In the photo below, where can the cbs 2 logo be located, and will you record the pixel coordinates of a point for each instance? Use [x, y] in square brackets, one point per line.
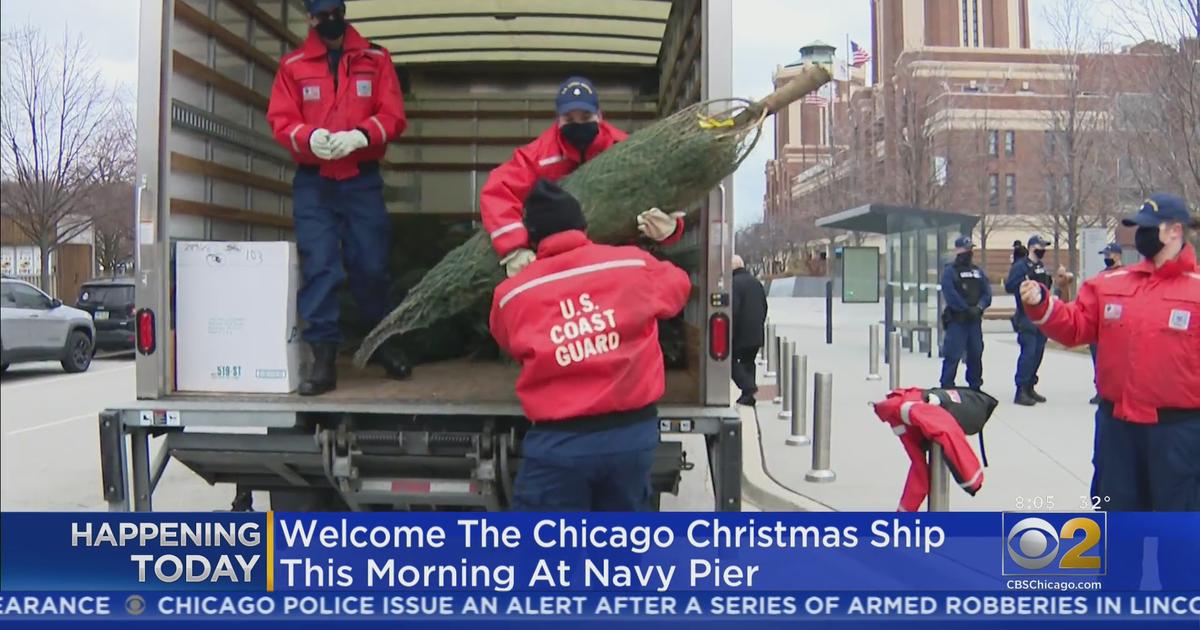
[1033, 544]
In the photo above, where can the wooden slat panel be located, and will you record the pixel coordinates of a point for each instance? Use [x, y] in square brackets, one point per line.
[439, 167]
[455, 141]
[516, 114]
[269, 21]
[225, 213]
[188, 164]
[191, 68]
[228, 38]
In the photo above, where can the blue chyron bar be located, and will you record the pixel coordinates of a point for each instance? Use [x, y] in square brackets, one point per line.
[448, 569]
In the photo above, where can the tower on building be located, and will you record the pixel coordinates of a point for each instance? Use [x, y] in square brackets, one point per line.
[900, 25]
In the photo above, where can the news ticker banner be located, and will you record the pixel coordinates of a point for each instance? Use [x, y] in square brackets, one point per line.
[956, 566]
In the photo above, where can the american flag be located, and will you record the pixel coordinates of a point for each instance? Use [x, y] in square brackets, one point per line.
[815, 98]
[859, 55]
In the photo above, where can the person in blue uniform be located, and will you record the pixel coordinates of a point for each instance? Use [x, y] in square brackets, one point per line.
[968, 294]
[1032, 341]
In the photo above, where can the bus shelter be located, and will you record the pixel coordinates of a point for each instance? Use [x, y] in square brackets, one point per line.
[918, 244]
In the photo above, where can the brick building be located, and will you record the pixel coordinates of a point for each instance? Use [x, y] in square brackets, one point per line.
[964, 116]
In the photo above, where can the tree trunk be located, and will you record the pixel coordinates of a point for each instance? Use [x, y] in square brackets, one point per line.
[1072, 249]
[44, 282]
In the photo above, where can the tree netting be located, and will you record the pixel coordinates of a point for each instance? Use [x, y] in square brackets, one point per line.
[671, 164]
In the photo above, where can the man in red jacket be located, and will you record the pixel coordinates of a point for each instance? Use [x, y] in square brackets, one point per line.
[1145, 322]
[579, 135]
[582, 320]
[335, 105]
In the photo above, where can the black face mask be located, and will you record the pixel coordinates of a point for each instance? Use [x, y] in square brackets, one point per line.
[331, 26]
[580, 135]
[1109, 263]
[1039, 253]
[1147, 241]
[964, 258]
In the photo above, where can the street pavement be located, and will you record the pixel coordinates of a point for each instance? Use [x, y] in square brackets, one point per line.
[1039, 457]
[50, 457]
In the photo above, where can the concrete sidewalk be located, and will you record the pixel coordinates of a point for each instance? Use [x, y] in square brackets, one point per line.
[1040, 453]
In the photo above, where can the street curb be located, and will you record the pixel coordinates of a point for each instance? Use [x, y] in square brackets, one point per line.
[757, 486]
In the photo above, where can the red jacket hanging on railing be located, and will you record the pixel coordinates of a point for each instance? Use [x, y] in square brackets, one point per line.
[918, 423]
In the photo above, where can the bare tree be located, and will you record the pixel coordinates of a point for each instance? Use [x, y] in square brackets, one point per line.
[1074, 158]
[1160, 121]
[916, 182]
[109, 202]
[54, 107]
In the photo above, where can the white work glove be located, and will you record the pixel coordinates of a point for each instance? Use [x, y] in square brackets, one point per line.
[516, 260]
[1031, 292]
[344, 143]
[657, 225]
[321, 144]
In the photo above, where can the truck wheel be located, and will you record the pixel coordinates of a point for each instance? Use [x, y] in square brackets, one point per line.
[77, 356]
[325, 500]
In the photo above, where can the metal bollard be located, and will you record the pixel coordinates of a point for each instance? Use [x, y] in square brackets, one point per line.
[822, 423]
[829, 311]
[939, 480]
[785, 380]
[873, 352]
[772, 351]
[799, 433]
[762, 355]
[894, 365]
[780, 373]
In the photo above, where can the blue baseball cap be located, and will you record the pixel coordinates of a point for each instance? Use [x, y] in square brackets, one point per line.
[1161, 209]
[1036, 240]
[963, 242]
[1112, 248]
[577, 93]
[320, 6]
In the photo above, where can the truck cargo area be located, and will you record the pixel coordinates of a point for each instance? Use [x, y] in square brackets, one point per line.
[479, 80]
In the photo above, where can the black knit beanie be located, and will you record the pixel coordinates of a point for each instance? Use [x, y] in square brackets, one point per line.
[549, 210]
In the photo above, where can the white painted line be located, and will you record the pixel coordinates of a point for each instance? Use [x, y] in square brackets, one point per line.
[95, 414]
[62, 377]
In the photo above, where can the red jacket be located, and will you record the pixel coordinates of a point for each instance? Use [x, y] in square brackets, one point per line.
[502, 200]
[582, 320]
[917, 423]
[368, 98]
[1145, 323]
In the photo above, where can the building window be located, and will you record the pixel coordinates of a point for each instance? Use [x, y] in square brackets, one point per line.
[993, 189]
[975, 23]
[1010, 143]
[1051, 192]
[966, 33]
[993, 142]
[1010, 193]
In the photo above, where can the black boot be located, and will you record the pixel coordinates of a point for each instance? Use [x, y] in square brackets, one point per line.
[746, 399]
[1036, 396]
[1023, 397]
[393, 359]
[323, 375]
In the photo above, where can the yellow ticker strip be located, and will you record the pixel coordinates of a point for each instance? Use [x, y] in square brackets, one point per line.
[270, 551]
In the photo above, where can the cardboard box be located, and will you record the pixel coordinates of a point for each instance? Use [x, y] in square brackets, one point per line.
[235, 317]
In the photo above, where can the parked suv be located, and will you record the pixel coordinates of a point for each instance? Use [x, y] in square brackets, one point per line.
[36, 327]
[110, 303]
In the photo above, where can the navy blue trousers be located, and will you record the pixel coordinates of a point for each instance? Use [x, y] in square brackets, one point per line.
[592, 471]
[1147, 467]
[963, 340]
[1033, 348]
[342, 229]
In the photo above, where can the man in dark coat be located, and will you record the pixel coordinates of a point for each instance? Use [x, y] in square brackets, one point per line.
[749, 315]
